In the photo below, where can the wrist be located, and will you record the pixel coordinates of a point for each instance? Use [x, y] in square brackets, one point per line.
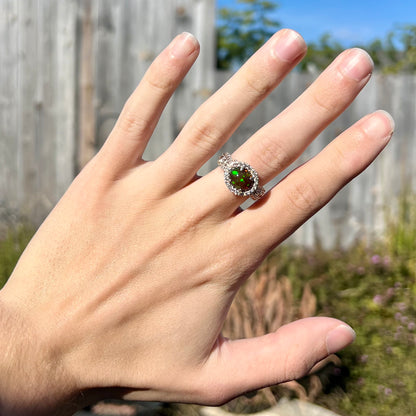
[32, 380]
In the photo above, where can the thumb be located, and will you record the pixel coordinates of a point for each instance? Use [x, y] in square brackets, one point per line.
[289, 353]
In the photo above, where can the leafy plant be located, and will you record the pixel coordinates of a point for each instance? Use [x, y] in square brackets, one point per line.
[11, 247]
[243, 29]
[395, 53]
[320, 54]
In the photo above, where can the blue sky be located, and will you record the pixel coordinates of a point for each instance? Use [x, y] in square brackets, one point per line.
[350, 22]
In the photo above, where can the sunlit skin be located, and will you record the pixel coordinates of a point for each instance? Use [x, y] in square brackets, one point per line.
[124, 289]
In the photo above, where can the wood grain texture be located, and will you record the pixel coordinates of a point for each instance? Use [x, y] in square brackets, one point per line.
[67, 67]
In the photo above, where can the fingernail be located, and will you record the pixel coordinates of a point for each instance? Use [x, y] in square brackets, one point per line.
[183, 45]
[288, 45]
[339, 338]
[379, 124]
[357, 64]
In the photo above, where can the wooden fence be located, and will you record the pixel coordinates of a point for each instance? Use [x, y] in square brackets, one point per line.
[66, 68]
[359, 210]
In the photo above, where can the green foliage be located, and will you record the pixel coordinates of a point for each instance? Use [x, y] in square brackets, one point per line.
[11, 247]
[401, 231]
[246, 26]
[399, 51]
[373, 288]
[243, 29]
[375, 293]
[393, 54]
[319, 55]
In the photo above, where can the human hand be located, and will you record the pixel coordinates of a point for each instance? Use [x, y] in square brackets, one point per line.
[125, 287]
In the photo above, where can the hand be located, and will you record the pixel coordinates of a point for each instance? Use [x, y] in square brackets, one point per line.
[128, 281]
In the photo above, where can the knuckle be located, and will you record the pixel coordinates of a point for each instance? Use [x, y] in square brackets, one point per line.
[349, 156]
[205, 135]
[340, 159]
[257, 85]
[131, 123]
[303, 196]
[163, 75]
[338, 155]
[294, 367]
[161, 84]
[360, 134]
[332, 94]
[271, 155]
[293, 364]
[323, 102]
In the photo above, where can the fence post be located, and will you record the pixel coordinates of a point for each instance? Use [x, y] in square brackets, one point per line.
[86, 135]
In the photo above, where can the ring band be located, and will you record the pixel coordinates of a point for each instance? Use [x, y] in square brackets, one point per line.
[240, 178]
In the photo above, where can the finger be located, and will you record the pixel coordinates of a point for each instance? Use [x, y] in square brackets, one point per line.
[138, 119]
[311, 186]
[241, 366]
[214, 122]
[284, 139]
[274, 147]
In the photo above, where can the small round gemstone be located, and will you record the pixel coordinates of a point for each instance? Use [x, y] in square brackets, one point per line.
[241, 179]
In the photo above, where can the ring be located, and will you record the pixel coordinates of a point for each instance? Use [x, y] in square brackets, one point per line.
[241, 179]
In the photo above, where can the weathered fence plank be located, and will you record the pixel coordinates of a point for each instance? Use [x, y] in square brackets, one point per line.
[67, 67]
[8, 102]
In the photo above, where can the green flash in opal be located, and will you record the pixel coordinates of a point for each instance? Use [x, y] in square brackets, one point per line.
[241, 179]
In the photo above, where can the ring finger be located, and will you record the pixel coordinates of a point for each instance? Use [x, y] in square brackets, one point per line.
[308, 188]
[274, 147]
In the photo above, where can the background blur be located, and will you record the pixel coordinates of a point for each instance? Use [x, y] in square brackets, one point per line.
[67, 67]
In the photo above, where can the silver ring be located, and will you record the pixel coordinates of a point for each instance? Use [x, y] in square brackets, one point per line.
[240, 178]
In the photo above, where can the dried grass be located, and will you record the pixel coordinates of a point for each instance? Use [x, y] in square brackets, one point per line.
[264, 304]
